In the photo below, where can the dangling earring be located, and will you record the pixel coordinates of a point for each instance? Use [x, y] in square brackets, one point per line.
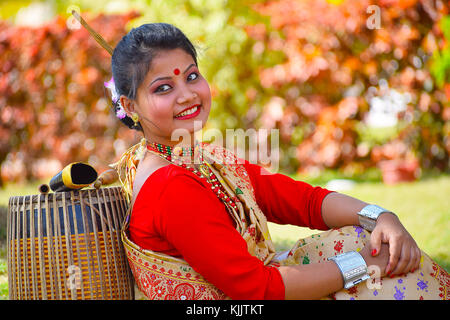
[135, 118]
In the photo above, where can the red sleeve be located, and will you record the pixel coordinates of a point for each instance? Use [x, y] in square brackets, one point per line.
[285, 200]
[193, 220]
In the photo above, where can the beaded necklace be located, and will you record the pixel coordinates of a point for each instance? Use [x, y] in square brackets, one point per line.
[178, 155]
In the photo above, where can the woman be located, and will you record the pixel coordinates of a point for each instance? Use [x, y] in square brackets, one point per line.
[208, 209]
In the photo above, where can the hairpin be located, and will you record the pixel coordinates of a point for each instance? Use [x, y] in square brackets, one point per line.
[120, 111]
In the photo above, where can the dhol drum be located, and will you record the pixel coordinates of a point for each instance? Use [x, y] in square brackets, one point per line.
[67, 245]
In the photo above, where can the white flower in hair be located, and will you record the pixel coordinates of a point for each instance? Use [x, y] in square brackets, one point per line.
[112, 88]
[120, 111]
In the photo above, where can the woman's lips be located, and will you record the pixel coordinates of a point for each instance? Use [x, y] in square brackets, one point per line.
[192, 115]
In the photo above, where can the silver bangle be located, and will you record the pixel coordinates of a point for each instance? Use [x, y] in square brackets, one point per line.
[353, 268]
[368, 216]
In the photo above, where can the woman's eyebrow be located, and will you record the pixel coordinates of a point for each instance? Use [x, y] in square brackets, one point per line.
[191, 65]
[161, 78]
[168, 78]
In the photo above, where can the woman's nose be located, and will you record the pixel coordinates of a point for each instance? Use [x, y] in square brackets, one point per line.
[186, 95]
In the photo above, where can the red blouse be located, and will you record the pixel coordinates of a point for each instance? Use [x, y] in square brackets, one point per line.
[177, 213]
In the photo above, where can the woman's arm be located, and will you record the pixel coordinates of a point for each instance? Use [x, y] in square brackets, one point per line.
[317, 280]
[197, 226]
[340, 210]
[311, 281]
[285, 200]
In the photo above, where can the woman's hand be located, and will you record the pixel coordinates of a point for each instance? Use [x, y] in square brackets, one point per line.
[404, 254]
[380, 260]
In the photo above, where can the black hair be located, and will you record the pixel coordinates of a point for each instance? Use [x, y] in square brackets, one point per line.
[133, 55]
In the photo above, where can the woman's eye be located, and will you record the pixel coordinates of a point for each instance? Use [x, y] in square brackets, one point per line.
[163, 88]
[192, 76]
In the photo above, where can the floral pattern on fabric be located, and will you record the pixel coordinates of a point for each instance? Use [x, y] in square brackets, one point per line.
[160, 276]
[430, 281]
[169, 280]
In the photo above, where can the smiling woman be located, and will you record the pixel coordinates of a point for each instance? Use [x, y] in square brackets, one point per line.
[196, 226]
[166, 102]
[133, 57]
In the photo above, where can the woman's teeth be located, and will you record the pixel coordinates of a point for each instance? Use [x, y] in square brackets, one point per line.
[187, 112]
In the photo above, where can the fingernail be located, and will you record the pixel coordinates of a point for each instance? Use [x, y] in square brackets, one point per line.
[374, 252]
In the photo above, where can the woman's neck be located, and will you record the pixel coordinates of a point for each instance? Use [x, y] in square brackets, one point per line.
[187, 151]
[184, 142]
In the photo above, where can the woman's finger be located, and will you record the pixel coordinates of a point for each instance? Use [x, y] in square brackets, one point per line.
[394, 255]
[412, 260]
[403, 261]
[375, 242]
[418, 257]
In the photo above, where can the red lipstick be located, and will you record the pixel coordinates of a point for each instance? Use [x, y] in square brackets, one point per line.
[188, 116]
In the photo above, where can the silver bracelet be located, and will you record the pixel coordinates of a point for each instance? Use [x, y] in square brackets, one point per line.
[368, 216]
[353, 268]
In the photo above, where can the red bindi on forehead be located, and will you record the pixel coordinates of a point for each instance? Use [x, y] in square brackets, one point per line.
[176, 71]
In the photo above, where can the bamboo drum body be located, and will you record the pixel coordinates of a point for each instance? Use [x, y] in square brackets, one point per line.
[67, 245]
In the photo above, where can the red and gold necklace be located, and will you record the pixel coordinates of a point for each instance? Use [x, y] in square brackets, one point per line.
[182, 156]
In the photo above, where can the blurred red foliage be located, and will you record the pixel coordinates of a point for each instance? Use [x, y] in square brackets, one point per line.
[53, 107]
[334, 64]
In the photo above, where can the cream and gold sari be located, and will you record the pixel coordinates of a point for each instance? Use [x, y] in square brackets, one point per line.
[160, 276]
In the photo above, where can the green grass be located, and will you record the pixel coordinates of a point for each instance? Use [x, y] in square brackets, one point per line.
[19, 189]
[422, 206]
[3, 274]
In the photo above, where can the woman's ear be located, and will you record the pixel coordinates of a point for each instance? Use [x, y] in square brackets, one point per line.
[127, 104]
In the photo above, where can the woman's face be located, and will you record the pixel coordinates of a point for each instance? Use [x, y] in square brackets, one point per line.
[172, 96]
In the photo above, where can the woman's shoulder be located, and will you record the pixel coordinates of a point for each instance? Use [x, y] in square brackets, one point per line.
[153, 178]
